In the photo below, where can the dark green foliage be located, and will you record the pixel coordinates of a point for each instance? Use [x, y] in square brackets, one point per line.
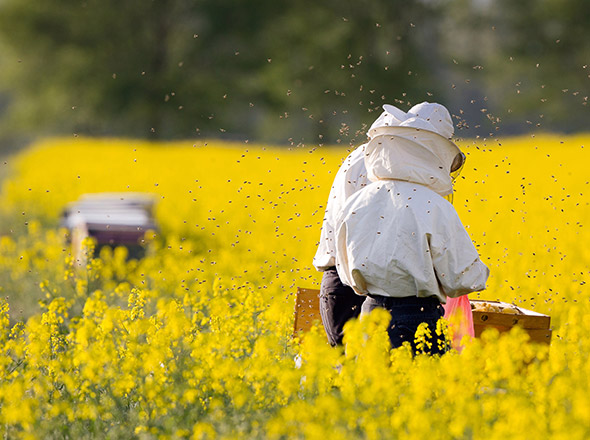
[170, 68]
[287, 72]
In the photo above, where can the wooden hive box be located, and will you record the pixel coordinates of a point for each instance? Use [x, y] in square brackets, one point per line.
[307, 310]
[307, 313]
[535, 324]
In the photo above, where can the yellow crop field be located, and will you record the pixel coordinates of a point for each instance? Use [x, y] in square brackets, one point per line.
[195, 339]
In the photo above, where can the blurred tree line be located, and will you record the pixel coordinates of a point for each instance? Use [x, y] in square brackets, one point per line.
[288, 72]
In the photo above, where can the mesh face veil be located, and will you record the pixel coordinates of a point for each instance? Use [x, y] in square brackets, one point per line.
[456, 168]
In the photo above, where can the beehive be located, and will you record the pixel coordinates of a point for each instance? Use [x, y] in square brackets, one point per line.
[535, 324]
[307, 310]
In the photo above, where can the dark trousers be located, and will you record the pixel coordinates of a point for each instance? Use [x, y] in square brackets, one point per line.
[338, 304]
[406, 315]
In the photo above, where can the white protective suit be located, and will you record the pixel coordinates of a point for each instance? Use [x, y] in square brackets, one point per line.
[351, 177]
[398, 236]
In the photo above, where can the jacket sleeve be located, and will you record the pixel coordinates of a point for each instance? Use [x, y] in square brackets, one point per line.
[324, 256]
[456, 262]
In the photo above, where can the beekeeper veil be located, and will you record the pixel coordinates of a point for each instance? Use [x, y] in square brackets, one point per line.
[418, 149]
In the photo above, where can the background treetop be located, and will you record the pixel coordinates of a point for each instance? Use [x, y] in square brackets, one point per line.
[288, 72]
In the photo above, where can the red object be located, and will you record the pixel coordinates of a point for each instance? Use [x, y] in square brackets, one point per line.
[458, 313]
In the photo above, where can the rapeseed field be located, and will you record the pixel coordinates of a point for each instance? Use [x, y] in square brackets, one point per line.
[195, 340]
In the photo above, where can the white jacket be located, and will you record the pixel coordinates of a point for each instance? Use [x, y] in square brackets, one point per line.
[398, 236]
[351, 177]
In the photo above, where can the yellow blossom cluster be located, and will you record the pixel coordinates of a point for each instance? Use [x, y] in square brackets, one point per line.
[195, 339]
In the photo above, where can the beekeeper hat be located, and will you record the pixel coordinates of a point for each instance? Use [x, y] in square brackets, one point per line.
[437, 115]
[391, 116]
[428, 124]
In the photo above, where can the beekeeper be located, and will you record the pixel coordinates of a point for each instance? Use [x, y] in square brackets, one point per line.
[399, 242]
[338, 302]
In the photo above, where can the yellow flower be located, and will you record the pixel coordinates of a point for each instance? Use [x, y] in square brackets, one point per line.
[195, 339]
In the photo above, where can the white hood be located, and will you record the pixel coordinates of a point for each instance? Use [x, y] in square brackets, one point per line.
[412, 155]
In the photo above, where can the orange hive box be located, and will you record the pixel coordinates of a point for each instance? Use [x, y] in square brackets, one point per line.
[504, 316]
[307, 310]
